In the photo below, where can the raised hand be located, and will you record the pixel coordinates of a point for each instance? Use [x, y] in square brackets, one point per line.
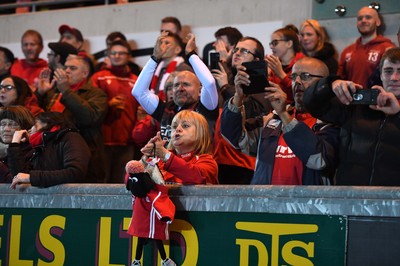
[221, 49]
[343, 90]
[61, 79]
[220, 75]
[155, 146]
[275, 65]
[44, 84]
[158, 51]
[191, 44]
[386, 102]
[241, 78]
[277, 97]
[20, 136]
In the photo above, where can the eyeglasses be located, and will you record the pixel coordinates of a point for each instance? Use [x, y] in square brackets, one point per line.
[275, 42]
[6, 87]
[9, 123]
[303, 76]
[114, 53]
[242, 51]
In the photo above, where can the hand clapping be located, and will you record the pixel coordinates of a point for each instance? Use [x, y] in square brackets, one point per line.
[155, 147]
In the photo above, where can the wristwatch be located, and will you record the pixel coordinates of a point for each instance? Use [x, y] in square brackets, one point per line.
[166, 157]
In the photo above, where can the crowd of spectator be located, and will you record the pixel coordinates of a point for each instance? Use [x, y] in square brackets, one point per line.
[301, 128]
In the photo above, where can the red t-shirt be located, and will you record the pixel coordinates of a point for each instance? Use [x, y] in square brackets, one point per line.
[288, 168]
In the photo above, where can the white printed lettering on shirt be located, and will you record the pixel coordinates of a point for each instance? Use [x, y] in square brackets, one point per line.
[284, 152]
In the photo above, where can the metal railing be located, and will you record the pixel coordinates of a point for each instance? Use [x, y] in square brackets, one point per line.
[35, 4]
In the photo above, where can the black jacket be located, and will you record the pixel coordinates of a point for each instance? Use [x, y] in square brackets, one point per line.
[329, 56]
[6, 175]
[369, 140]
[86, 109]
[63, 157]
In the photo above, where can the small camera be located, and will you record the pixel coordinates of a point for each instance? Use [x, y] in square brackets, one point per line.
[365, 96]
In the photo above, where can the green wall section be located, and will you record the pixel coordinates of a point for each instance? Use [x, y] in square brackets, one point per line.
[98, 237]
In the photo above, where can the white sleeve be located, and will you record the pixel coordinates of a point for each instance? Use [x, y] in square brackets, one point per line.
[147, 99]
[209, 93]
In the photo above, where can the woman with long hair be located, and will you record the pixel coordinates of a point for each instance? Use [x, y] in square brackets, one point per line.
[314, 43]
[286, 51]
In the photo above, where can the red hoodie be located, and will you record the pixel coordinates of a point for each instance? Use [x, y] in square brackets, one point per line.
[357, 61]
[28, 71]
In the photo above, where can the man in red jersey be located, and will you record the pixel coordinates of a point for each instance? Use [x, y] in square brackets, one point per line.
[30, 67]
[359, 60]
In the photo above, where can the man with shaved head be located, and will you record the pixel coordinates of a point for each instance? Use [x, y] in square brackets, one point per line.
[359, 60]
[292, 147]
[193, 91]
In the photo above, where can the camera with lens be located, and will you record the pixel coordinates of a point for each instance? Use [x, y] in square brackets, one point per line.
[365, 96]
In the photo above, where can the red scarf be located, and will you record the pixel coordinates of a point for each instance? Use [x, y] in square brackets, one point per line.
[36, 138]
[155, 80]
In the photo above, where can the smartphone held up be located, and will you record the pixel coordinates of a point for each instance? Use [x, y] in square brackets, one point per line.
[257, 71]
[365, 96]
[214, 61]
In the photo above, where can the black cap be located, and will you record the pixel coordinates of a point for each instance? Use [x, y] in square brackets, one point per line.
[62, 48]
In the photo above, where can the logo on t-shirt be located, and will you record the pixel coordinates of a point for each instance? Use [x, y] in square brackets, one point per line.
[348, 56]
[284, 152]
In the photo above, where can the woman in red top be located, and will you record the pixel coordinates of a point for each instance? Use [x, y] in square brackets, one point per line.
[286, 50]
[188, 159]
